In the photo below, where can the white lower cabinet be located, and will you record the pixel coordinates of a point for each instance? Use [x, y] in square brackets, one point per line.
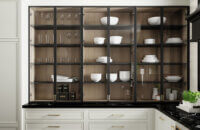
[162, 122]
[89, 119]
[70, 126]
[97, 119]
[119, 125]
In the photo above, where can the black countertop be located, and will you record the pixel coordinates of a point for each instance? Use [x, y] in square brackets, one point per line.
[188, 120]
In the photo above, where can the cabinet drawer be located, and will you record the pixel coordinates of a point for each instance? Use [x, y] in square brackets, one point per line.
[71, 126]
[116, 115]
[118, 126]
[54, 115]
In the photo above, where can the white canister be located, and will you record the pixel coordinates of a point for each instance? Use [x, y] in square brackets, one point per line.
[171, 97]
[168, 91]
[158, 97]
[175, 92]
[155, 93]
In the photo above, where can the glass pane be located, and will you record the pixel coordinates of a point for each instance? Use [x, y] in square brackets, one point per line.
[41, 16]
[68, 16]
[122, 16]
[92, 16]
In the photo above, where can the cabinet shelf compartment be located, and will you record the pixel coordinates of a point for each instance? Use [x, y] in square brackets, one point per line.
[94, 92]
[42, 92]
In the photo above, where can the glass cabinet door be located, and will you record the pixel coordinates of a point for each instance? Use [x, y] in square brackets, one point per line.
[148, 54]
[41, 54]
[175, 56]
[94, 47]
[121, 46]
[68, 54]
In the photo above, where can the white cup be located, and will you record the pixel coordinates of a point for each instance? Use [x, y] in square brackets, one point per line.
[124, 75]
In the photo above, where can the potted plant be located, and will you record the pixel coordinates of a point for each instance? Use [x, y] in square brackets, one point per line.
[191, 99]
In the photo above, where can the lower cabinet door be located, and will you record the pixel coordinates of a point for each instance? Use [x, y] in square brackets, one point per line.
[118, 125]
[72, 126]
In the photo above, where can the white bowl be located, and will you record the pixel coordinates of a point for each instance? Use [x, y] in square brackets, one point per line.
[115, 39]
[96, 77]
[113, 77]
[149, 41]
[124, 76]
[99, 40]
[173, 78]
[113, 20]
[174, 40]
[156, 20]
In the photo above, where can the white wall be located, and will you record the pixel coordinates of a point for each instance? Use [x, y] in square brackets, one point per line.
[193, 55]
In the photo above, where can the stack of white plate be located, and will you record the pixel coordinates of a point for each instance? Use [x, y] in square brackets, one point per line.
[103, 59]
[149, 41]
[60, 78]
[173, 78]
[150, 59]
[174, 40]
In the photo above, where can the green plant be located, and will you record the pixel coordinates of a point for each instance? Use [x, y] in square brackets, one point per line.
[191, 96]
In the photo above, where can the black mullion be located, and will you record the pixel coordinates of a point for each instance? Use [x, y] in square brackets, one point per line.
[55, 52]
[135, 55]
[131, 56]
[108, 54]
[29, 70]
[81, 68]
[161, 54]
[188, 51]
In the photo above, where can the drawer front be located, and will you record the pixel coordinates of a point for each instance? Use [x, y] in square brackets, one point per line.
[116, 115]
[72, 126]
[54, 115]
[118, 126]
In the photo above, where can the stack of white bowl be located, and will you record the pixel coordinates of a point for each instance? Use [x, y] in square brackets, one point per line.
[174, 40]
[149, 41]
[156, 20]
[113, 77]
[103, 59]
[115, 40]
[124, 76]
[96, 77]
[113, 20]
[150, 59]
[99, 40]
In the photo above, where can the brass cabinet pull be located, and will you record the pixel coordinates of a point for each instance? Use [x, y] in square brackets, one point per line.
[177, 128]
[161, 118]
[53, 115]
[173, 128]
[53, 126]
[114, 126]
[117, 115]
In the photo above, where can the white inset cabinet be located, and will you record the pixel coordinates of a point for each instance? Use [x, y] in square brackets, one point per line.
[162, 122]
[89, 119]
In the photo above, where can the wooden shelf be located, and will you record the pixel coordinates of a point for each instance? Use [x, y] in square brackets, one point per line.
[111, 27]
[158, 27]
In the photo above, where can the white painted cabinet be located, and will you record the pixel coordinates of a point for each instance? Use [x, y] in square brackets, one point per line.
[66, 126]
[162, 122]
[89, 119]
[8, 96]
